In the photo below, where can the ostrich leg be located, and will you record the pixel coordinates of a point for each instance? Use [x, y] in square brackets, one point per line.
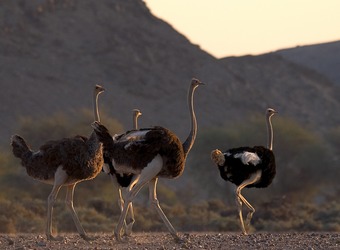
[122, 192]
[50, 202]
[240, 198]
[59, 180]
[154, 201]
[69, 204]
[130, 217]
[131, 195]
[147, 174]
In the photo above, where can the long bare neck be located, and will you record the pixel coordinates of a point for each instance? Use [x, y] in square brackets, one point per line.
[187, 145]
[95, 106]
[135, 121]
[270, 132]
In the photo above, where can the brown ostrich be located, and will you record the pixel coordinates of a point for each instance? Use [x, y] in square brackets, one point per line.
[248, 167]
[63, 162]
[148, 154]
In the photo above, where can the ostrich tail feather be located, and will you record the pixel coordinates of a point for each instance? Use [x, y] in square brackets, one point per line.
[19, 146]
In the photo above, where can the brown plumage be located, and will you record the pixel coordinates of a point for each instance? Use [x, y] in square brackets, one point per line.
[81, 160]
[148, 154]
[63, 162]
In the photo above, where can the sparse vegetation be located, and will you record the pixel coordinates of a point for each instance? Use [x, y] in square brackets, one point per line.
[303, 196]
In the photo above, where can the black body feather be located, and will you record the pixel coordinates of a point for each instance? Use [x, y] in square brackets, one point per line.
[236, 172]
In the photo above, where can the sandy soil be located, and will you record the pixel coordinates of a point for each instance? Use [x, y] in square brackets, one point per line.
[193, 240]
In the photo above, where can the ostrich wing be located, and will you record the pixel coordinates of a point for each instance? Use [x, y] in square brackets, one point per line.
[248, 157]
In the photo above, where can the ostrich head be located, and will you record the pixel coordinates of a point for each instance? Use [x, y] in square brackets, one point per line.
[217, 157]
[195, 83]
[270, 112]
[136, 113]
[99, 89]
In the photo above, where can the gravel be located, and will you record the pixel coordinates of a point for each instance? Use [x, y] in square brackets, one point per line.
[192, 240]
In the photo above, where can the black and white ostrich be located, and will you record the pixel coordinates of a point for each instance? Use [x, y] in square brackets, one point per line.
[122, 181]
[248, 167]
[149, 154]
[63, 162]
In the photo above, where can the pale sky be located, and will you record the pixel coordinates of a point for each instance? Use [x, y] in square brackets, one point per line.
[240, 27]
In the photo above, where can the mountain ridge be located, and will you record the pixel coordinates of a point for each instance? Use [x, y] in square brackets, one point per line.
[323, 58]
[52, 53]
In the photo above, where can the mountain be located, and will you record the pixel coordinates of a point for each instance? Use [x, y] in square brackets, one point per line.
[291, 88]
[52, 53]
[324, 58]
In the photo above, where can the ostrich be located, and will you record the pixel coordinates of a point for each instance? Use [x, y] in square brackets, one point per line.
[97, 90]
[63, 162]
[148, 154]
[248, 167]
[124, 180]
[135, 114]
[120, 180]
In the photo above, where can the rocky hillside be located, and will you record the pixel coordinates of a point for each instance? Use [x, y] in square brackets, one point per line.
[53, 52]
[291, 88]
[324, 58]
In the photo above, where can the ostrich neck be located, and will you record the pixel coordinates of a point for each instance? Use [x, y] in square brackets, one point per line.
[187, 145]
[95, 107]
[270, 133]
[135, 123]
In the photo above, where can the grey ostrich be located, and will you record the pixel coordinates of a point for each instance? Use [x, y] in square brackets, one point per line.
[149, 154]
[248, 167]
[63, 162]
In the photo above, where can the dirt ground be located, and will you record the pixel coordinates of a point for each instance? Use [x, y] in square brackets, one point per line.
[192, 240]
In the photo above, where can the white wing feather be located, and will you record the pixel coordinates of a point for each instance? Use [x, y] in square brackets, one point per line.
[248, 157]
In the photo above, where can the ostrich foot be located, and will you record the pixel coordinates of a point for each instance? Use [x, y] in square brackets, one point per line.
[128, 229]
[119, 237]
[183, 242]
[54, 238]
[243, 228]
[244, 233]
[178, 239]
[249, 217]
[88, 238]
[217, 157]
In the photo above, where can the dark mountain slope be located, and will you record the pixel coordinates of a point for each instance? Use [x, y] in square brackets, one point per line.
[324, 58]
[53, 52]
[294, 90]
